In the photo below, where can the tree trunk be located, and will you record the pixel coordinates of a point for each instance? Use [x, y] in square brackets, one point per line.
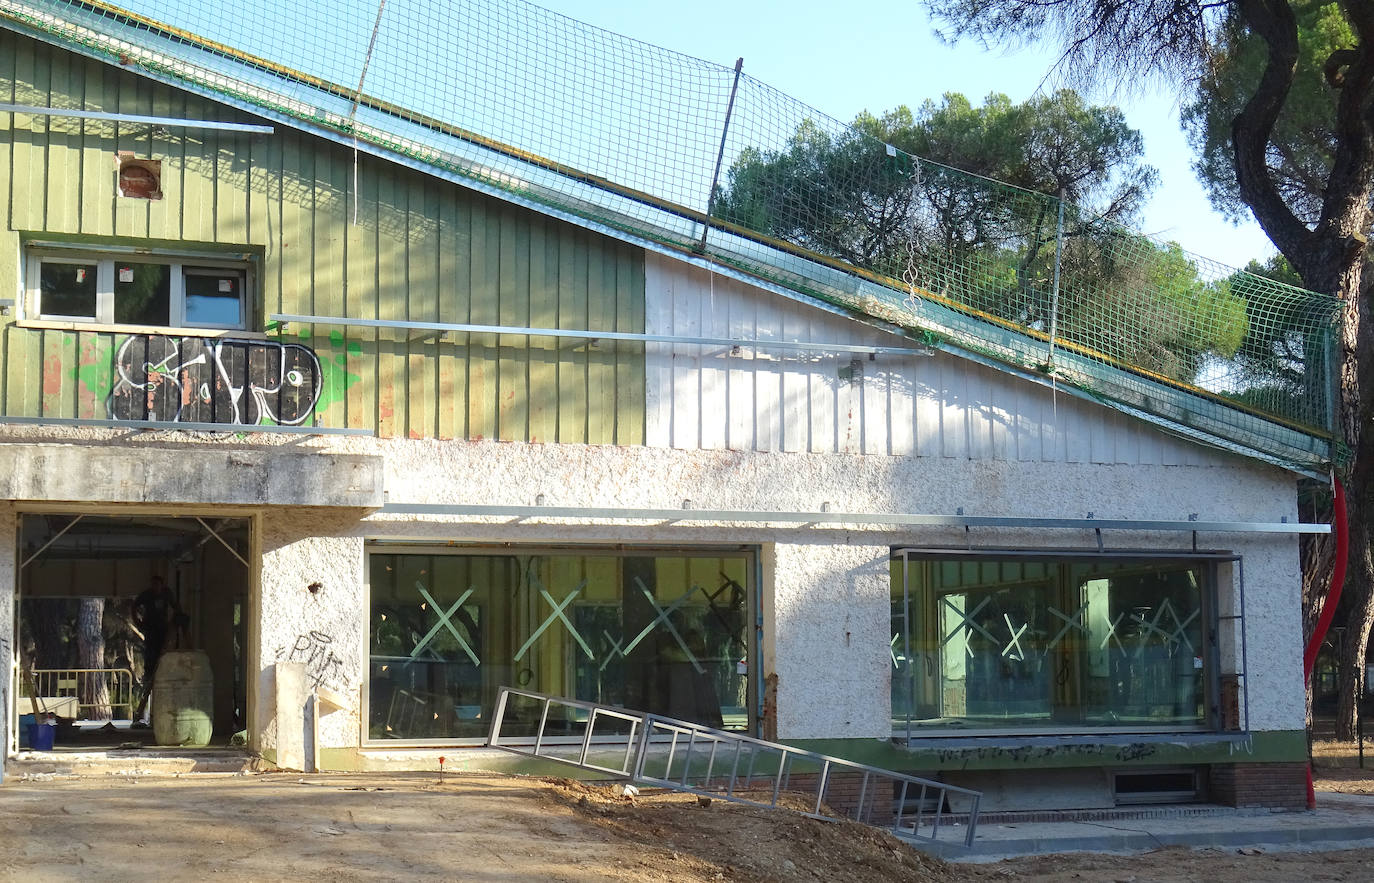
[94, 692]
[1318, 556]
[1357, 406]
[1358, 583]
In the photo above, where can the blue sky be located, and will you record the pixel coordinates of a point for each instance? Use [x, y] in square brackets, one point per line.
[843, 58]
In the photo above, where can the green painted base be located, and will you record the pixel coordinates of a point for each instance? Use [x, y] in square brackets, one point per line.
[1114, 752]
[1039, 753]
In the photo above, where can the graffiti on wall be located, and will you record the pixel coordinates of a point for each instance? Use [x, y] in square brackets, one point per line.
[322, 667]
[214, 380]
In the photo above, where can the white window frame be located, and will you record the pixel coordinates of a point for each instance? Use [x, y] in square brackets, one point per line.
[180, 265]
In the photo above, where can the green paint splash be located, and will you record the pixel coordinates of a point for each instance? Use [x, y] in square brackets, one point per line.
[335, 378]
[95, 372]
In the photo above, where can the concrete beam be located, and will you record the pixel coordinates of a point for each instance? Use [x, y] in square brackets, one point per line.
[198, 475]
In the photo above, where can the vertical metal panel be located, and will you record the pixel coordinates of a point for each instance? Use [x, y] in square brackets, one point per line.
[164, 219]
[795, 412]
[421, 249]
[630, 385]
[573, 391]
[940, 406]
[63, 146]
[386, 244]
[482, 347]
[452, 272]
[954, 404]
[30, 136]
[742, 408]
[512, 299]
[543, 378]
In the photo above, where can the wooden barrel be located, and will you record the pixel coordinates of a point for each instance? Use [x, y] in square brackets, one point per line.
[183, 699]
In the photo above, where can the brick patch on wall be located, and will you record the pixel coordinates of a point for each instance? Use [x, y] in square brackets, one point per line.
[1272, 785]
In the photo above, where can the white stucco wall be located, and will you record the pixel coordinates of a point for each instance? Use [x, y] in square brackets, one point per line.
[311, 610]
[829, 628]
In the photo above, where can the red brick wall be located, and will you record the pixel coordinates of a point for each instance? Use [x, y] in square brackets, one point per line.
[843, 789]
[1273, 785]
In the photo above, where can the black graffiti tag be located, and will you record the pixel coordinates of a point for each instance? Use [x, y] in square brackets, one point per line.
[214, 380]
[315, 650]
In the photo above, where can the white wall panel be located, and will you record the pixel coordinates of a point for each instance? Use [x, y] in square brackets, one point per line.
[702, 397]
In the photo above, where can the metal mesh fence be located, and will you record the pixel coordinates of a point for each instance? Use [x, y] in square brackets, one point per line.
[697, 157]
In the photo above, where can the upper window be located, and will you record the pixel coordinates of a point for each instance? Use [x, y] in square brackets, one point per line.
[146, 290]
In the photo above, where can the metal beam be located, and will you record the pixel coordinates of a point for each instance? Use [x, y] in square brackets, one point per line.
[224, 543]
[172, 122]
[55, 537]
[607, 335]
[748, 516]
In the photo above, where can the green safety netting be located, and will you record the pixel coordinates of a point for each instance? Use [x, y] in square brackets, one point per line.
[698, 157]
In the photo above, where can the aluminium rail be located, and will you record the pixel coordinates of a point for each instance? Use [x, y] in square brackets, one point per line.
[661, 752]
[83, 684]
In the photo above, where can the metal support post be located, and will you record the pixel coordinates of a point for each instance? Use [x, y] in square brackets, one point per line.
[720, 156]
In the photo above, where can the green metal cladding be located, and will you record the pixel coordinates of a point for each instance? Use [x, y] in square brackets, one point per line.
[412, 248]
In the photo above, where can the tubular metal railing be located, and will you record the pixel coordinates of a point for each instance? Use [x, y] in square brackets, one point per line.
[656, 751]
[85, 685]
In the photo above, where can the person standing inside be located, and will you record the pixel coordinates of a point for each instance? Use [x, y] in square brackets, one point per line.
[155, 612]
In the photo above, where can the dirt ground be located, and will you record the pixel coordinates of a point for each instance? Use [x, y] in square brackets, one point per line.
[1335, 767]
[491, 828]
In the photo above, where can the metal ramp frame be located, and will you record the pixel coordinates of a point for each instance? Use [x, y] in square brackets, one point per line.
[661, 752]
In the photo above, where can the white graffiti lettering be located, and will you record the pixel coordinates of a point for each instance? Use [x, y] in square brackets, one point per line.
[214, 380]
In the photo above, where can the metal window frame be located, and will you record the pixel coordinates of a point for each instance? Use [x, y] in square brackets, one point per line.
[1210, 607]
[210, 270]
[178, 264]
[33, 286]
[381, 545]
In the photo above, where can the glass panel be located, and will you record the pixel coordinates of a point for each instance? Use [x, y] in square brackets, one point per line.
[67, 290]
[662, 634]
[899, 651]
[142, 294]
[1012, 644]
[1144, 657]
[996, 667]
[214, 298]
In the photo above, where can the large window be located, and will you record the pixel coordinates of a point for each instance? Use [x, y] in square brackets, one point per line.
[994, 644]
[665, 632]
[137, 289]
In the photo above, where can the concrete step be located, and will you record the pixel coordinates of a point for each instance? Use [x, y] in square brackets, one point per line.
[132, 762]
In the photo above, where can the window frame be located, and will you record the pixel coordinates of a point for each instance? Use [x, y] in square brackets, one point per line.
[752, 629]
[180, 265]
[1211, 590]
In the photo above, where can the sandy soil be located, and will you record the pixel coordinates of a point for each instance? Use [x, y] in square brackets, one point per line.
[1335, 767]
[368, 827]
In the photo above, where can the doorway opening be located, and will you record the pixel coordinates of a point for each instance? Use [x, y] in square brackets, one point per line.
[105, 601]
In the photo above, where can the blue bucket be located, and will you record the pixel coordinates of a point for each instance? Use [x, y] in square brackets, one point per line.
[25, 721]
[40, 736]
